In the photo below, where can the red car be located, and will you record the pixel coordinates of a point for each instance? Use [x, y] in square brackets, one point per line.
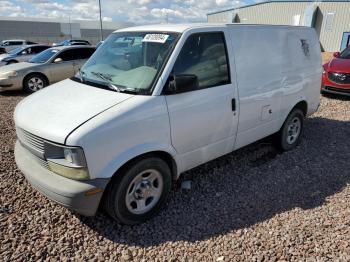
[336, 74]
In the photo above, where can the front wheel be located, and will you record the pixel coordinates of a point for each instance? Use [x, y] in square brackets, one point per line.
[290, 134]
[137, 193]
[34, 82]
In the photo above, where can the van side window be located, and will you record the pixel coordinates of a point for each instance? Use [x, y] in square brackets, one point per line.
[205, 56]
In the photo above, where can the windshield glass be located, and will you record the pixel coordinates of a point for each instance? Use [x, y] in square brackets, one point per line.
[44, 56]
[129, 61]
[346, 53]
[16, 50]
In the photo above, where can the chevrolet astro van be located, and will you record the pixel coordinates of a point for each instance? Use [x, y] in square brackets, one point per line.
[155, 101]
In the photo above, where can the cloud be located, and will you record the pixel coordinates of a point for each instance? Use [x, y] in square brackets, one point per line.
[135, 11]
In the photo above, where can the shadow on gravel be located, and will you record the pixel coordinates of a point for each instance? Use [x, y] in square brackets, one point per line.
[337, 97]
[14, 93]
[244, 188]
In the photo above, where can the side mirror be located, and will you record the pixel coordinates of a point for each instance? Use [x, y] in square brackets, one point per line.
[23, 52]
[58, 60]
[336, 54]
[181, 83]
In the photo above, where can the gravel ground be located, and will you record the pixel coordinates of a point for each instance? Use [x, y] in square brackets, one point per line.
[252, 205]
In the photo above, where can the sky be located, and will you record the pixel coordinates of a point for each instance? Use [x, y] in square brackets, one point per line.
[134, 11]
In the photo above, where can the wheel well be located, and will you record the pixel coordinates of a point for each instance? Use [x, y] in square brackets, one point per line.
[14, 61]
[36, 73]
[161, 154]
[302, 105]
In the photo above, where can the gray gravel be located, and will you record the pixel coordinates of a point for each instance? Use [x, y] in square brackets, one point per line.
[252, 205]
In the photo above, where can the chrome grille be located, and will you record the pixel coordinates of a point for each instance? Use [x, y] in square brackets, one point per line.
[31, 141]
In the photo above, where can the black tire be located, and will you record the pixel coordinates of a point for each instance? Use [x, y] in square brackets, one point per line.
[115, 199]
[28, 83]
[12, 62]
[284, 136]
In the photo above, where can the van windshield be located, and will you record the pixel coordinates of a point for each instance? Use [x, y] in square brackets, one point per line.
[129, 61]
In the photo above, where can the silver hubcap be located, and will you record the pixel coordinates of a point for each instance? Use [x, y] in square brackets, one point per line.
[35, 84]
[144, 191]
[293, 131]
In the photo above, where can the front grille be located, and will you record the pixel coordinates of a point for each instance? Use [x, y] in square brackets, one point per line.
[340, 78]
[37, 159]
[33, 142]
[339, 90]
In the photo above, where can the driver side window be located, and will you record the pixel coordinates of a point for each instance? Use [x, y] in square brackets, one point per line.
[66, 55]
[204, 55]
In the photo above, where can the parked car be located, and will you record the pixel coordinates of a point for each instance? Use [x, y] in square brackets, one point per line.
[50, 66]
[22, 54]
[73, 42]
[336, 74]
[12, 44]
[126, 126]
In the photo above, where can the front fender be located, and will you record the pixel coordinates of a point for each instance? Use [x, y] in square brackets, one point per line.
[115, 164]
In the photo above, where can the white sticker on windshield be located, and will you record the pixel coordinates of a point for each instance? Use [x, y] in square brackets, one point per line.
[155, 38]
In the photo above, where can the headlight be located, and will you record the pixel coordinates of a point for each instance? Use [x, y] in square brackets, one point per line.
[67, 161]
[8, 74]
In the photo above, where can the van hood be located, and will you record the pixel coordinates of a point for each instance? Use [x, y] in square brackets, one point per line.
[54, 112]
[338, 65]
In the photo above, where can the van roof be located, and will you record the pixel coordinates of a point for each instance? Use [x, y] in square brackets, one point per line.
[180, 28]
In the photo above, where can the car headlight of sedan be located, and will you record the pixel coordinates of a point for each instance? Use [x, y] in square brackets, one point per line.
[8, 74]
[67, 161]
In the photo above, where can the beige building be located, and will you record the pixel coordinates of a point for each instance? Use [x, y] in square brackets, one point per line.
[331, 19]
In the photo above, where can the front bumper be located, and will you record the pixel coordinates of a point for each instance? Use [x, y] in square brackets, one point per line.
[81, 196]
[12, 83]
[329, 86]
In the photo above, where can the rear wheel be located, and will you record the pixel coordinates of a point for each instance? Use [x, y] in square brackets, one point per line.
[34, 82]
[290, 134]
[137, 193]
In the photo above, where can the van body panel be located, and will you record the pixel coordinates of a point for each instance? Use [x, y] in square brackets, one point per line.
[122, 133]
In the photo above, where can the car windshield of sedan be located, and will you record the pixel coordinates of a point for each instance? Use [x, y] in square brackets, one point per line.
[129, 61]
[44, 56]
[345, 54]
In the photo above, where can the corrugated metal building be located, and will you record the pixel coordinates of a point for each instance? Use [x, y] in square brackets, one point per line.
[53, 31]
[331, 19]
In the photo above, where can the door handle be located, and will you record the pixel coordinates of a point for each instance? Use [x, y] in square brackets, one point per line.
[233, 104]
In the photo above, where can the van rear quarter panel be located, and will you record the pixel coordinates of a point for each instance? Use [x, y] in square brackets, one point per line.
[302, 69]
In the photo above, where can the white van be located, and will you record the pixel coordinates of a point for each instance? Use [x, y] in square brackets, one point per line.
[155, 101]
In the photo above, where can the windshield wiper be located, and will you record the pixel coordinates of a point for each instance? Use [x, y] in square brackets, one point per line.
[108, 80]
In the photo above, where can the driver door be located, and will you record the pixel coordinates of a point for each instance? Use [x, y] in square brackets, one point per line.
[62, 66]
[203, 121]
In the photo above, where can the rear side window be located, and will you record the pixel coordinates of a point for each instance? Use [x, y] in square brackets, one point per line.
[205, 56]
[38, 49]
[15, 43]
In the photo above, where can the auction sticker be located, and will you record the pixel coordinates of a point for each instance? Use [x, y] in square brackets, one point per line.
[155, 38]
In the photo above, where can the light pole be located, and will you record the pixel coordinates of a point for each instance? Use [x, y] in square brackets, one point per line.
[101, 29]
[70, 27]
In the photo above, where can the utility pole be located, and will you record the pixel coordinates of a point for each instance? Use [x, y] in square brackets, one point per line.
[70, 27]
[101, 29]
